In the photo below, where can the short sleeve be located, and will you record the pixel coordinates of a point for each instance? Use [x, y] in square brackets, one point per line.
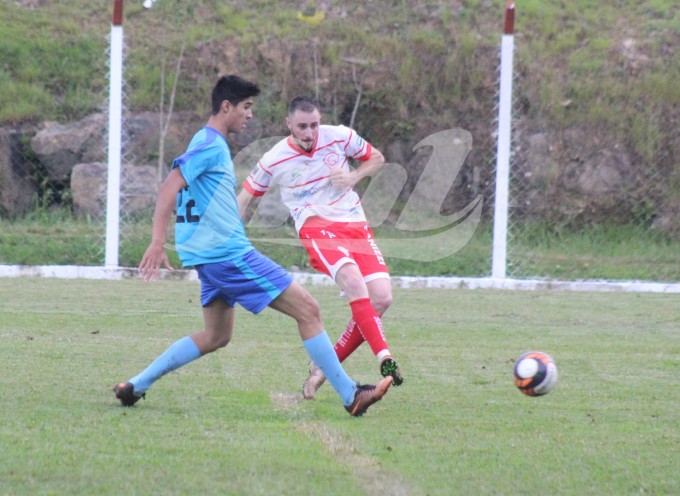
[258, 181]
[200, 159]
[356, 147]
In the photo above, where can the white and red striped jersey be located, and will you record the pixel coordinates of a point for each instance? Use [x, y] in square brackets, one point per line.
[304, 177]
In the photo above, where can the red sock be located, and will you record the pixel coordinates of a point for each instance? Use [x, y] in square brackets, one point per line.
[350, 340]
[369, 324]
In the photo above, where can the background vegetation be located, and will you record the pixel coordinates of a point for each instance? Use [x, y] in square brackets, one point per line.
[440, 59]
[400, 71]
[597, 252]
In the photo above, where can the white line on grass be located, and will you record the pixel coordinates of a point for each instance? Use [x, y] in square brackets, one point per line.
[367, 471]
[316, 279]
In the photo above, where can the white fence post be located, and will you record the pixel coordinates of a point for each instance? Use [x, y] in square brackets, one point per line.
[114, 143]
[500, 216]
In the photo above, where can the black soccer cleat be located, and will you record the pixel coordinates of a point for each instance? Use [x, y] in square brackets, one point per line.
[389, 368]
[365, 396]
[125, 392]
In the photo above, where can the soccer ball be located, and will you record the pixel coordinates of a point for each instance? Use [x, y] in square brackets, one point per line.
[535, 373]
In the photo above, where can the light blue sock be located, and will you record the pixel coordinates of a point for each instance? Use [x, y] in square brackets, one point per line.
[179, 353]
[320, 350]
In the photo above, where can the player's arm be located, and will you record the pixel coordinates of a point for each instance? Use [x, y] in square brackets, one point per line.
[244, 199]
[368, 167]
[255, 186]
[155, 255]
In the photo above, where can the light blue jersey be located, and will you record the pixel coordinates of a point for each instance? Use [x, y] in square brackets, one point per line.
[208, 228]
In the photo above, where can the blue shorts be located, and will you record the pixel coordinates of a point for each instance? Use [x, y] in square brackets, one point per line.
[253, 281]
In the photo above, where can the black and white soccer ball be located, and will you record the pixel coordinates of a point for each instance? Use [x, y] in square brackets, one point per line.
[535, 373]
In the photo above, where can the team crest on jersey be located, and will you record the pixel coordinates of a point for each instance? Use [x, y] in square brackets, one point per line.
[331, 159]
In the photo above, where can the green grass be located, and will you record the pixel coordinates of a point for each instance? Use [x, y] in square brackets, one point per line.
[539, 250]
[51, 238]
[430, 66]
[565, 52]
[604, 251]
[52, 64]
[231, 424]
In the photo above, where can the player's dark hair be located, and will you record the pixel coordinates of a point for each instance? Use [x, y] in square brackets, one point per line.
[232, 88]
[303, 103]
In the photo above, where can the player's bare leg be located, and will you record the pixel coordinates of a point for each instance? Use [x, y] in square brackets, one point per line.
[368, 320]
[299, 304]
[380, 293]
[216, 333]
[361, 296]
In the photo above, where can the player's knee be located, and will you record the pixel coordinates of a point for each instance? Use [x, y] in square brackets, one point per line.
[221, 342]
[216, 340]
[354, 287]
[381, 302]
[308, 308]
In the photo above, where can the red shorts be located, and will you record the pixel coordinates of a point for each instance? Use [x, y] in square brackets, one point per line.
[333, 244]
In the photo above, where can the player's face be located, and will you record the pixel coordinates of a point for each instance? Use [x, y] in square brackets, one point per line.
[239, 115]
[304, 127]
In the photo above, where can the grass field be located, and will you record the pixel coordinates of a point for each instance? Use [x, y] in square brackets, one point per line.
[233, 423]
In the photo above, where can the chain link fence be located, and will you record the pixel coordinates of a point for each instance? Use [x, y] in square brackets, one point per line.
[594, 190]
[595, 198]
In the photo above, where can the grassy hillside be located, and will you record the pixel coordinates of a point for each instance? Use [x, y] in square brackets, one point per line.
[420, 65]
[598, 78]
[398, 71]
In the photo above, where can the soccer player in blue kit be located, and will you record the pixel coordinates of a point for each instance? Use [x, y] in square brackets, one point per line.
[209, 235]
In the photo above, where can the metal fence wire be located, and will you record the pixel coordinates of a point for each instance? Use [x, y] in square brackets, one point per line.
[594, 185]
[593, 198]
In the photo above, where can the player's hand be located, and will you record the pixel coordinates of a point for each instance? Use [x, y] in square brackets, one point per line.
[154, 257]
[342, 179]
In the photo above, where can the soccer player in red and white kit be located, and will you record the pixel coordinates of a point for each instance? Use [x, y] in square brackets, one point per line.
[312, 169]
